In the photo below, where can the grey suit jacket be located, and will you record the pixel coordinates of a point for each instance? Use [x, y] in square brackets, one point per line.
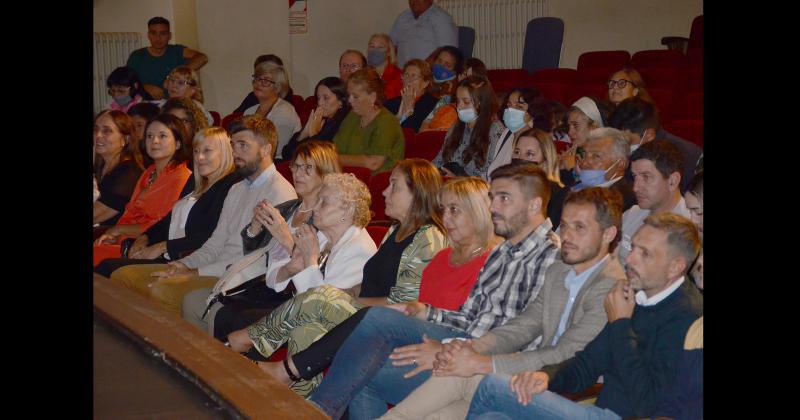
[542, 316]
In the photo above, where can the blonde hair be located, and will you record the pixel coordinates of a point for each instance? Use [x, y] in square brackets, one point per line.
[391, 57]
[278, 74]
[473, 196]
[548, 152]
[191, 76]
[322, 153]
[220, 137]
[354, 195]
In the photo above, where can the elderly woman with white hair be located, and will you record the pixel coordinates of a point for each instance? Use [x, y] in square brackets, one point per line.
[270, 84]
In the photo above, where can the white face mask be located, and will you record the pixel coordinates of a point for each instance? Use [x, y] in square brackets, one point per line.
[467, 115]
[514, 119]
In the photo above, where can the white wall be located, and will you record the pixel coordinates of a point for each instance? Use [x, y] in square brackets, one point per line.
[132, 16]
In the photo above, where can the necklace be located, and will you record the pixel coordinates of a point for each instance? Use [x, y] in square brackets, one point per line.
[458, 261]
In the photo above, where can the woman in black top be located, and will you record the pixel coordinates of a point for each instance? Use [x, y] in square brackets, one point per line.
[323, 122]
[214, 175]
[416, 101]
[115, 167]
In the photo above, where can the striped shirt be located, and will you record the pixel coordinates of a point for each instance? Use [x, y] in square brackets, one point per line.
[511, 277]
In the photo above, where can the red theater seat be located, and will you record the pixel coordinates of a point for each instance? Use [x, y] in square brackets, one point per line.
[425, 145]
[604, 59]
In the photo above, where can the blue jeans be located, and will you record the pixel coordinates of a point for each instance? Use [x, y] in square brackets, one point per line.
[363, 359]
[495, 400]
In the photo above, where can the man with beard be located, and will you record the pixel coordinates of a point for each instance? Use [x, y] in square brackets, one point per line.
[511, 277]
[253, 139]
[638, 351]
[567, 313]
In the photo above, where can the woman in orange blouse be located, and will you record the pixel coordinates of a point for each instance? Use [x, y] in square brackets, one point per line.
[157, 189]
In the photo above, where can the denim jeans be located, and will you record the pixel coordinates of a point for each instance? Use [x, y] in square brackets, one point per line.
[362, 357]
[494, 400]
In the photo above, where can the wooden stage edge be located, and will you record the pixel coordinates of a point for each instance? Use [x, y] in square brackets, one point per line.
[228, 378]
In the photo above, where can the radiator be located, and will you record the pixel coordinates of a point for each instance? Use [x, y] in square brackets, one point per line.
[111, 50]
[499, 27]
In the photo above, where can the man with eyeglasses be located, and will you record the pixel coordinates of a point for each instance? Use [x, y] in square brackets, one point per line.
[637, 118]
[349, 62]
[152, 64]
[604, 162]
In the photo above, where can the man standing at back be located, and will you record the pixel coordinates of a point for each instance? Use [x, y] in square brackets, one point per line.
[421, 29]
[152, 64]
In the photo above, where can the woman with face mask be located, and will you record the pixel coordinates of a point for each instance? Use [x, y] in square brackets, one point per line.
[381, 56]
[124, 88]
[471, 143]
[416, 101]
[517, 117]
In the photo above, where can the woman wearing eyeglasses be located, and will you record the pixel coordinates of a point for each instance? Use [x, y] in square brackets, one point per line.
[183, 82]
[391, 276]
[270, 83]
[416, 101]
[626, 83]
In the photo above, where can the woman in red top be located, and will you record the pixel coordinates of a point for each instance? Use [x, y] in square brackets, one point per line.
[157, 189]
[380, 55]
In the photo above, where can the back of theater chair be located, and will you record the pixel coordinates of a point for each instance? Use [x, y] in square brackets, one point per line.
[363, 174]
[466, 40]
[544, 38]
[567, 76]
[283, 169]
[696, 34]
[664, 100]
[425, 145]
[503, 80]
[215, 115]
[658, 58]
[376, 185]
[310, 102]
[615, 59]
[595, 75]
[377, 233]
[408, 135]
[662, 78]
[689, 107]
[691, 130]
[226, 122]
[598, 91]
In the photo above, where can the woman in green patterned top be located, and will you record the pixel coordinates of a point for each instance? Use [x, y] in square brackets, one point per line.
[370, 135]
[412, 200]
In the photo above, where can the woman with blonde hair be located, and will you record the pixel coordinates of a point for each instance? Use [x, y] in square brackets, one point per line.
[193, 217]
[270, 84]
[183, 82]
[381, 56]
[536, 146]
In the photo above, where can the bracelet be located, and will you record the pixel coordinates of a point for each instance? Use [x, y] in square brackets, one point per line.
[250, 234]
[289, 371]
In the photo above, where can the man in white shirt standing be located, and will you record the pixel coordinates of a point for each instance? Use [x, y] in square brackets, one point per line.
[656, 168]
[418, 31]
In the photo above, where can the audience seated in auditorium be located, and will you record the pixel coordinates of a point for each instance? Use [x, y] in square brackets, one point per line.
[194, 217]
[349, 62]
[416, 101]
[116, 170]
[656, 168]
[511, 278]
[639, 120]
[446, 114]
[381, 56]
[370, 136]
[270, 84]
[242, 295]
[152, 64]
[418, 31]
[391, 276]
[605, 162]
[568, 313]
[157, 189]
[515, 113]
[124, 88]
[251, 99]
[324, 121]
[253, 139]
[472, 142]
[636, 353]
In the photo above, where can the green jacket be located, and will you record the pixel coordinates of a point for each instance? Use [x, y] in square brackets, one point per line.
[426, 243]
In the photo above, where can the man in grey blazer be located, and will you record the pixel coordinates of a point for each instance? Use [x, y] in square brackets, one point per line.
[567, 313]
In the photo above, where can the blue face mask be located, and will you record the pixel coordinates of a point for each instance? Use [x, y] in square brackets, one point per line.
[375, 56]
[593, 177]
[467, 115]
[441, 74]
[123, 100]
[514, 119]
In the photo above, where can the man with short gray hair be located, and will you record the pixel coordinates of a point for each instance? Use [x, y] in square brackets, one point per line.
[604, 164]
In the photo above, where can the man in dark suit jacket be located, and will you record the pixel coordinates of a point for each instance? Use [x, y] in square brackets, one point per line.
[639, 121]
[607, 150]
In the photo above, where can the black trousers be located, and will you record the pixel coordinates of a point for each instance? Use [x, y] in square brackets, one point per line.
[106, 267]
[243, 309]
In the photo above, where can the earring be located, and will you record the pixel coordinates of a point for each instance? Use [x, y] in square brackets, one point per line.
[342, 219]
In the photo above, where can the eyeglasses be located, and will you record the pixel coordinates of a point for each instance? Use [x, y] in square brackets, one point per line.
[119, 90]
[349, 66]
[263, 81]
[304, 166]
[621, 83]
[179, 82]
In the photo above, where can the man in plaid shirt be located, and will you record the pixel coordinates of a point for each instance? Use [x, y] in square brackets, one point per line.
[510, 278]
